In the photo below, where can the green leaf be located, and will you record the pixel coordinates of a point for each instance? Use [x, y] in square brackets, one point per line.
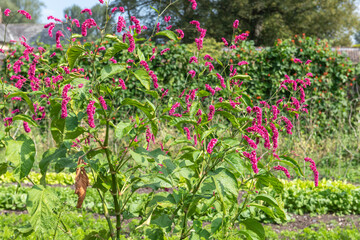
[68, 162]
[254, 226]
[208, 132]
[75, 35]
[154, 127]
[25, 97]
[226, 105]
[154, 9]
[122, 129]
[230, 117]
[112, 51]
[113, 37]
[215, 225]
[236, 161]
[203, 93]
[3, 168]
[73, 54]
[227, 183]
[41, 203]
[140, 55]
[25, 118]
[292, 163]
[110, 70]
[57, 123]
[143, 77]
[150, 92]
[140, 157]
[95, 235]
[194, 109]
[145, 108]
[21, 153]
[168, 34]
[247, 77]
[163, 221]
[219, 62]
[267, 210]
[71, 122]
[75, 133]
[154, 233]
[272, 202]
[53, 154]
[267, 180]
[247, 100]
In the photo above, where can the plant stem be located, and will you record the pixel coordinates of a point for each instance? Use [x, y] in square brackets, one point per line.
[114, 186]
[106, 211]
[186, 209]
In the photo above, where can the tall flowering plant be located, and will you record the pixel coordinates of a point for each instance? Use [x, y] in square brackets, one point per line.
[215, 165]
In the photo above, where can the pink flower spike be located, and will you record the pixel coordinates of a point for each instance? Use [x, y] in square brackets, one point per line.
[181, 33]
[225, 42]
[173, 108]
[281, 168]
[194, 4]
[296, 60]
[26, 127]
[7, 12]
[91, 112]
[211, 145]
[236, 24]
[222, 81]
[250, 142]
[187, 133]
[86, 10]
[211, 112]
[192, 73]
[25, 13]
[193, 59]
[243, 63]
[164, 51]
[113, 9]
[102, 102]
[315, 171]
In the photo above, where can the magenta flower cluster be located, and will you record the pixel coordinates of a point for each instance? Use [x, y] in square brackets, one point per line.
[211, 145]
[281, 168]
[90, 110]
[315, 171]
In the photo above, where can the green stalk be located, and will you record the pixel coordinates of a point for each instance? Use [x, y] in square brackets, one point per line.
[106, 211]
[114, 186]
[184, 224]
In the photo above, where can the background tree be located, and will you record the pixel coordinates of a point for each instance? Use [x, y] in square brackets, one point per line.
[266, 20]
[31, 6]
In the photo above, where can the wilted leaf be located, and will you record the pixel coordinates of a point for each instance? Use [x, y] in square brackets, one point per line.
[81, 183]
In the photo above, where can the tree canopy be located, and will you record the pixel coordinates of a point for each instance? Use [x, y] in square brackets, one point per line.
[266, 20]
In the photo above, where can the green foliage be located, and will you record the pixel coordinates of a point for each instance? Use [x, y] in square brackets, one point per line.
[20, 155]
[41, 204]
[330, 197]
[120, 134]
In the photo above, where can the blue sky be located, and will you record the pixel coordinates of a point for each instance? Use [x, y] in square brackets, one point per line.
[56, 7]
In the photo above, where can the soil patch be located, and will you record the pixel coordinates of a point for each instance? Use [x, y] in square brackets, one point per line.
[300, 222]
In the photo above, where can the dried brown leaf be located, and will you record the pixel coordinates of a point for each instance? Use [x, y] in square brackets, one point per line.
[81, 183]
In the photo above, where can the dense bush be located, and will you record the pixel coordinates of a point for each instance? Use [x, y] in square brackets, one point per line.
[137, 117]
[335, 77]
